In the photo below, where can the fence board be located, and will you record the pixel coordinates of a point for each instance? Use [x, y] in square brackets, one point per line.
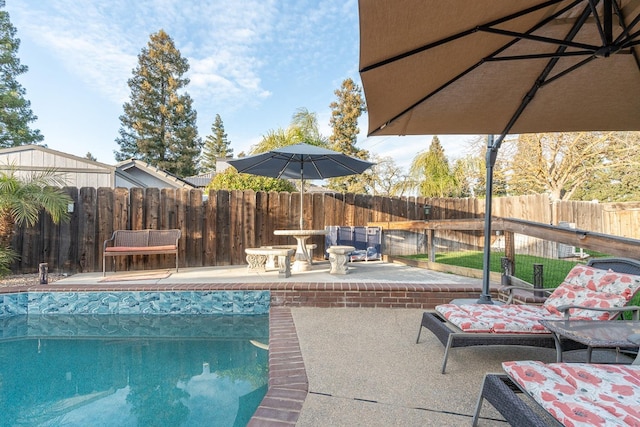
[349, 210]
[223, 225]
[68, 253]
[195, 229]
[210, 229]
[87, 246]
[261, 219]
[248, 221]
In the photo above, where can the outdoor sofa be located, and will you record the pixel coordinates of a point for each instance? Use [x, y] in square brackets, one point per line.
[596, 291]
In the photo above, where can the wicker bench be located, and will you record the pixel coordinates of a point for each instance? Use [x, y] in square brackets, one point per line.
[141, 242]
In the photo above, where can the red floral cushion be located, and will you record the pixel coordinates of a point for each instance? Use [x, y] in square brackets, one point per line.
[581, 394]
[593, 287]
[505, 319]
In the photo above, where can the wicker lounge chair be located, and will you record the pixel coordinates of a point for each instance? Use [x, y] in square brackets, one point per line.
[568, 394]
[579, 296]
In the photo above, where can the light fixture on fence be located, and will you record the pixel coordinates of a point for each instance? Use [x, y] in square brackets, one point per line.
[427, 210]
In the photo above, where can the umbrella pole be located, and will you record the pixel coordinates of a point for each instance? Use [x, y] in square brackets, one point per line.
[301, 196]
[492, 153]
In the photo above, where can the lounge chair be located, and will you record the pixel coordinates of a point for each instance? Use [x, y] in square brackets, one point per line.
[570, 394]
[597, 291]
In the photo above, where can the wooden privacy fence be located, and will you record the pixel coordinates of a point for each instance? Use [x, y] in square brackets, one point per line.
[218, 226]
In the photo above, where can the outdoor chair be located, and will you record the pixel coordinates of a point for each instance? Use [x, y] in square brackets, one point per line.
[577, 394]
[599, 290]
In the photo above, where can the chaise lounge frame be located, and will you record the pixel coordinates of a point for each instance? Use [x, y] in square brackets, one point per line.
[451, 336]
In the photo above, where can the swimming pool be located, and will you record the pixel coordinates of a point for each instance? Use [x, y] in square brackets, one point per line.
[130, 370]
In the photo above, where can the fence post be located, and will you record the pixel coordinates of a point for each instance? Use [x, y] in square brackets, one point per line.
[431, 243]
[538, 280]
[506, 266]
[510, 250]
[43, 269]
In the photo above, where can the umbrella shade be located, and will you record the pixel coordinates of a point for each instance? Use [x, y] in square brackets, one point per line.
[500, 66]
[301, 161]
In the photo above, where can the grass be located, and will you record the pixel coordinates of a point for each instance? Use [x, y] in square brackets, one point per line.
[554, 270]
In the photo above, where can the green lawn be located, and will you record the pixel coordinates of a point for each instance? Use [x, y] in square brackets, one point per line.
[554, 270]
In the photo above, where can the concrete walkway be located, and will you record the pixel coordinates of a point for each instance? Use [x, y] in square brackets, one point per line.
[365, 369]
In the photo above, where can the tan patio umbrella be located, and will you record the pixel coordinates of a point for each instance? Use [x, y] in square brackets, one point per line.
[499, 67]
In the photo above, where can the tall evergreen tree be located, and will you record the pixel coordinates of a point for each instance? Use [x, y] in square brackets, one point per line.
[15, 110]
[345, 112]
[215, 146]
[159, 124]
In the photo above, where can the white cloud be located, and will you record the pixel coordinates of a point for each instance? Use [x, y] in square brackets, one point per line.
[99, 43]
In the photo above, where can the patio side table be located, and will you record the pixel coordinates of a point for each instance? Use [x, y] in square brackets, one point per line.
[593, 333]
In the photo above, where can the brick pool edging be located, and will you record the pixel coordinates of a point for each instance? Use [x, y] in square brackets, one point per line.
[288, 384]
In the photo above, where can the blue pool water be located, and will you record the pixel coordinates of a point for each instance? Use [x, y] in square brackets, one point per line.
[132, 370]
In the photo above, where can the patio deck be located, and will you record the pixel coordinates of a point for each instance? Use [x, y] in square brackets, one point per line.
[342, 348]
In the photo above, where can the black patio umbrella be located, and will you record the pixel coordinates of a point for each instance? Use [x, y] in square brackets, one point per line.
[499, 67]
[301, 161]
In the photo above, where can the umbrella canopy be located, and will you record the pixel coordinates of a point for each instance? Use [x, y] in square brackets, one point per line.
[499, 67]
[301, 161]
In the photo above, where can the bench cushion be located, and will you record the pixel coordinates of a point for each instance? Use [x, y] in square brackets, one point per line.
[580, 394]
[140, 248]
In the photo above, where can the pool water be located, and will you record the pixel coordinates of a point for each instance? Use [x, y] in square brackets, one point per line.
[104, 370]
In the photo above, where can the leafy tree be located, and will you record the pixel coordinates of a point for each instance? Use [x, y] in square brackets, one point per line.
[215, 146]
[387, 178]
[345, 112]
[303, 128]
[470, 171]
[230, 179]
[431, 172]
[159, 124]
[15, 110]
[561, 164]
[90, 156]
[22, 199]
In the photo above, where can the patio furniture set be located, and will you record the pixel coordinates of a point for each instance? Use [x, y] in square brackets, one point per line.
[583, 312]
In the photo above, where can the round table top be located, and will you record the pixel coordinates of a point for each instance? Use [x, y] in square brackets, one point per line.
[300, 232]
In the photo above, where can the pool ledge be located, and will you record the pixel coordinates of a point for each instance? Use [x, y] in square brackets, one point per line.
[288, 384]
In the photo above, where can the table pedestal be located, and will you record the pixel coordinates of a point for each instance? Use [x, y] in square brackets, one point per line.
[302, 259]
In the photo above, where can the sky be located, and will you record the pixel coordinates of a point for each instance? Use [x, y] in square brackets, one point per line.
[253, 62]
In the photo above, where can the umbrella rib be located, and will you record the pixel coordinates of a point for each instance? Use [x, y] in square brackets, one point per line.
[565, 43]
[625, 33]
[458, 35]
[541, 56]
[476, 65]
[540, 81]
